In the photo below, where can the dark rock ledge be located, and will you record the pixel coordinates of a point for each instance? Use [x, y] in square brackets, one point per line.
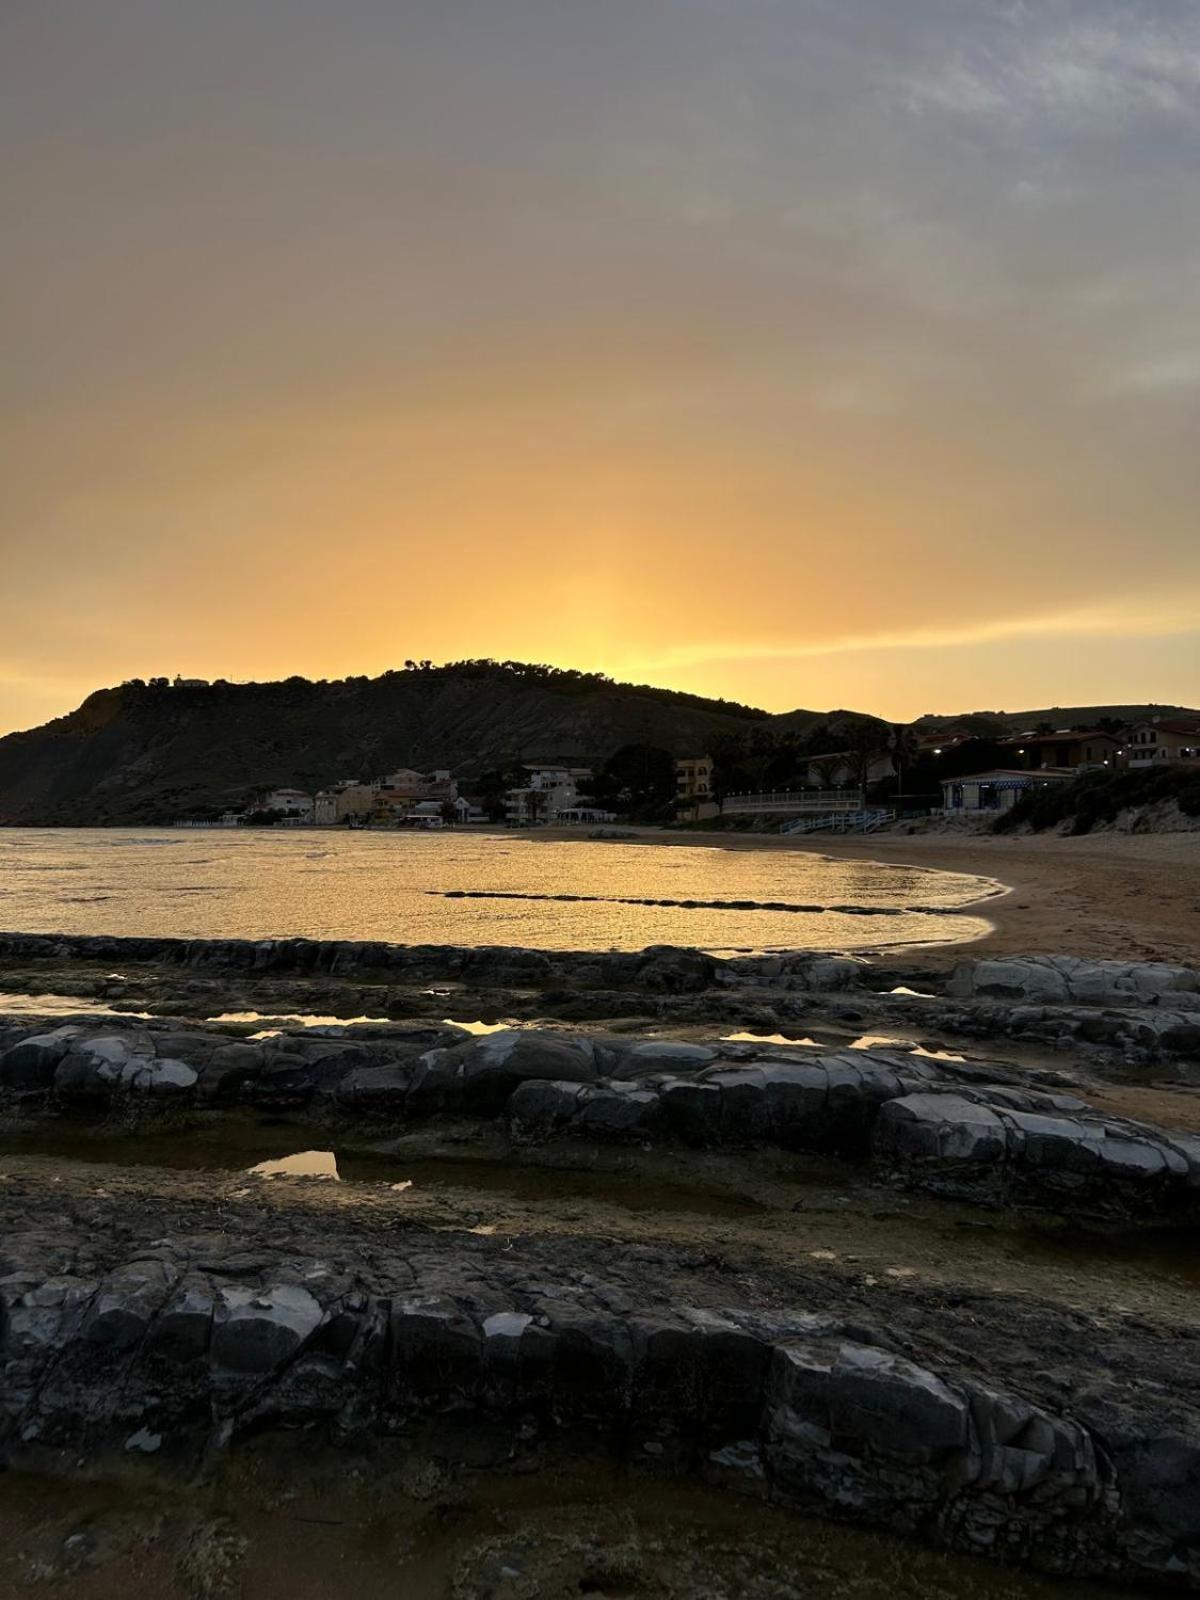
[1127, 1012]
[814, 1409]
[969, 1129]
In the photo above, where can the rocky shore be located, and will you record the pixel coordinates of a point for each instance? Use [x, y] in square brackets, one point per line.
[153, 1310]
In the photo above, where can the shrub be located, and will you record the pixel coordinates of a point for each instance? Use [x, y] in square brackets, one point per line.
[1098, 797]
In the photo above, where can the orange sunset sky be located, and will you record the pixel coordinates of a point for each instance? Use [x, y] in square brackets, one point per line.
[802, 352]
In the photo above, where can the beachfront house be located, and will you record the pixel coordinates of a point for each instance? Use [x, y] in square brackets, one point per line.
[550, 794]
[987, 793]
[1174, 739]
[294, 805]
[404, 783]
[695, 797]
[344, 802]
[694, 778]
[1069, 747]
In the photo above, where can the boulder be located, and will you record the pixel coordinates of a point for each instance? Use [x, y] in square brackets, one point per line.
[544, 1107]
[32, 1063]
[437, 1354]
[961, 1143]
[127, 1303]
[493, 1066]
[375, 1090]
[256, 1330]
[1066, 980]
[612, 1109]
[623, 1058]
[228, 1069]
[183, 1329]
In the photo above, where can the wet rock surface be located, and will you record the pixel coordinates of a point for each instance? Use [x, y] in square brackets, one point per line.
[1010, 1423]
[971, 1128]
[142, 1322]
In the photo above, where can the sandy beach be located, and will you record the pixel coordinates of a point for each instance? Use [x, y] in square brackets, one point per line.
[1110, 896]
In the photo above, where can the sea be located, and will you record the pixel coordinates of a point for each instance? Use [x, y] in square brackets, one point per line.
[472, 889]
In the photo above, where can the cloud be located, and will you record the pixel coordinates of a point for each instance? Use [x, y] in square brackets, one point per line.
[1107, 623]
[1088, 65]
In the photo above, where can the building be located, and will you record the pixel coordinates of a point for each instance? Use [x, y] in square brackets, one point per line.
[546, 795]
[1069, 747]
[988, 793]
[439, 785]
[294, 804]
[694, 778]
[344, 802]
[843, 769]
[189, 683]
[1174, 739]
[695, 796]
[404, 782]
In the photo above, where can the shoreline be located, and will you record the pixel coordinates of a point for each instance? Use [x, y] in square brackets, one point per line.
[1108, 896]
[1104, 895]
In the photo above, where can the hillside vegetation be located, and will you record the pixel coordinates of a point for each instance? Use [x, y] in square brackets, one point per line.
[147, 752]
[1096, 798]
[995, 722]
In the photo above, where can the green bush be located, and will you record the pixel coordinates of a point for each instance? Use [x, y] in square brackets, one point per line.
[1098, 797]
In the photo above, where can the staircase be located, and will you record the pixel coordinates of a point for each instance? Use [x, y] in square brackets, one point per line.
[866, 821]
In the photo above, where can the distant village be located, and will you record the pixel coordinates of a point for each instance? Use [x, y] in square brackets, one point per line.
[916, 774]
[409, 799]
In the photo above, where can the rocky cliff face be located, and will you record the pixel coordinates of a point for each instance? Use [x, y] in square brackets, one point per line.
[144, 753]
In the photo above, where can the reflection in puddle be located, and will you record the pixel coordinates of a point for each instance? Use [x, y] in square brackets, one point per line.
[769, 1038]
[296, 1019]
[271, 1153]
[888, 1041]
[304, 1164]
[309, 1019]
[866, 1041]
[913, 994]
[59, 1005]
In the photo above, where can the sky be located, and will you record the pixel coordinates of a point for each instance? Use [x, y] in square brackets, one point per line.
[806, 352]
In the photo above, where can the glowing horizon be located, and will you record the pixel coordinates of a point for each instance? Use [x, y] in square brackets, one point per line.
[803, 356]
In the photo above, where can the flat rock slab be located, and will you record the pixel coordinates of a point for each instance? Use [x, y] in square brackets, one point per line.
[153, 1346]
[1074, 980]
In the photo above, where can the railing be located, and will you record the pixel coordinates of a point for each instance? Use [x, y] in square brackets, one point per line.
[861, 821]
[798, 801]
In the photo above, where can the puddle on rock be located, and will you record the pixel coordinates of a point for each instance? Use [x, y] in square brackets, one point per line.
[281, 1020]
[772, 1038]
[304, 1164]
[887, 1041]
[270, 1153]
[60, 1005]
[866, 1041]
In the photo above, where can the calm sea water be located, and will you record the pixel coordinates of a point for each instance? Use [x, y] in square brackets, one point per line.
[474, 889]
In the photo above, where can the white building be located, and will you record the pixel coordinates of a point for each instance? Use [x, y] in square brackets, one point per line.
[295, 804]
[547, 794]
[988, 793]
[1175, 739]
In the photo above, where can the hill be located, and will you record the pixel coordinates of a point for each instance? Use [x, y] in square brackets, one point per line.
[148, 752]
[1056, 716]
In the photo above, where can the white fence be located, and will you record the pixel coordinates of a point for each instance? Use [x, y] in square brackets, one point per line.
[795, 803]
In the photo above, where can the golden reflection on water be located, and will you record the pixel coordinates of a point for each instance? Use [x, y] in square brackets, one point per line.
[394, 886]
